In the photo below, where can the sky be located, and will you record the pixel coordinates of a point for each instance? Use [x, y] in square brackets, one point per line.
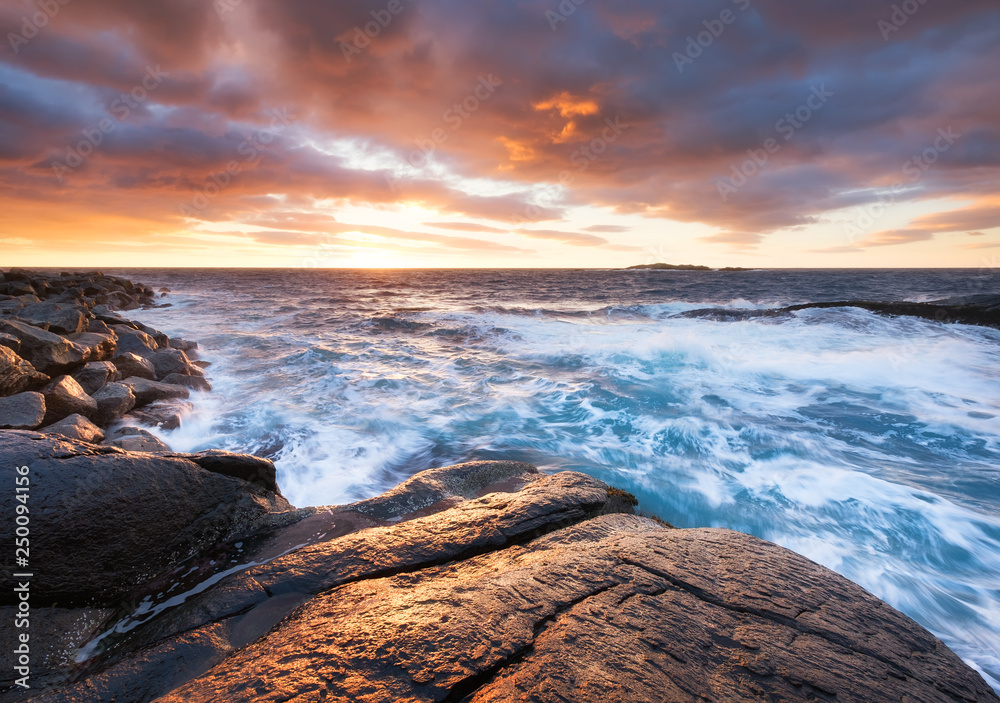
[500, 133]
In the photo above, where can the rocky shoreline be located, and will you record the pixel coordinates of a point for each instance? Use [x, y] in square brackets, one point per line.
[71, 365]
[159, 576]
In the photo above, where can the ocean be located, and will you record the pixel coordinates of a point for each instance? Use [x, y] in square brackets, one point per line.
[869, 444]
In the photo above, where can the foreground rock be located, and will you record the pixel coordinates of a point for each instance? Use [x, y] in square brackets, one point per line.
[482, 582]
[104, 520]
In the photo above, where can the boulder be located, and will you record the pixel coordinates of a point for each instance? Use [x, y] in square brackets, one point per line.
[133, 340]
[65, 397]
[195, 383]
[10, 341]
[171, 361]
[76, 427]
[24, 411]
[16, 374]
[129, 364]
[182, 344]
[62, 318]
[134, 439]
[113, 401]
[146, 391]
[242, 466]
[47, 352]
[164, 414]
[103, 520]
[10, 306]
[94, 375]
[96, 346]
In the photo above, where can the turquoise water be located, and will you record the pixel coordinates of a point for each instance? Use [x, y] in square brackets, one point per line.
[869, 444]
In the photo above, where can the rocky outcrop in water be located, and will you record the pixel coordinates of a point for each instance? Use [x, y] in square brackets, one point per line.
[60, 336]
[982, 310]
[486, 581]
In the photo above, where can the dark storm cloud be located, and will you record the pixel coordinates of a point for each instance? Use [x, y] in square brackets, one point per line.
[640, 106]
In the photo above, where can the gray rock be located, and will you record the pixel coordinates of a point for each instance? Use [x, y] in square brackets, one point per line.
[171, 361]
[62, 318]
[114, 401]
[134, 439]
[16, 374]
[65, 397]
[47, 352]
[195, 383]
[147, 391]
[164, 414]
[242, 466]
[133, 340]
[10, 341]
[24, 411]
[129, 364]
[97, 347]
[76, 427]
[104, 520]
[182, 344]
[94, 375]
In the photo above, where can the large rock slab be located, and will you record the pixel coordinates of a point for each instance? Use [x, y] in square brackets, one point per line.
[47, 352]
[104, 521]
[24, 411]
[615, 609]
[17, 374]
[65, 397]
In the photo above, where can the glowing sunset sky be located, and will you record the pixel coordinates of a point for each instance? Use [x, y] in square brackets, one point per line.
[499, 133]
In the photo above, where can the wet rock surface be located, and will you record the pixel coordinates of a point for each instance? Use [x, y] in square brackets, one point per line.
[982, 310]
[489, 581]
[104, 520]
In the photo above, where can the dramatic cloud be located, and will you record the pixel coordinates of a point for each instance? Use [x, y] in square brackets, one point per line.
[739, 121]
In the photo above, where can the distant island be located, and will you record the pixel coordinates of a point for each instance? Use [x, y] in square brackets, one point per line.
[681, 267]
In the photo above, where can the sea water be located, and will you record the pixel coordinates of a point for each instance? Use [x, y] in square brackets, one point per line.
[869, 444]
